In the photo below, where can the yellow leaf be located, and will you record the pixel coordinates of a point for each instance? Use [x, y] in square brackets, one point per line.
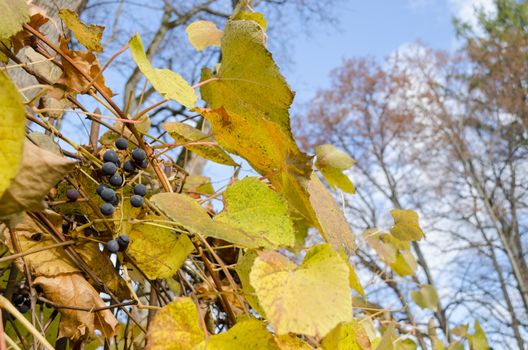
[405, 344]
[198, 184]
[40, 170]
[73, 290]
[89, 36]
[168, 83]
[252, 16]
[246, 334]
[332, 162]
[387, 340]
[309, 299]
[353, 278]
[203, 34]
[405, 263]
[175, 327]
[243, 269]
[186, 135]
[426, 297]
[12, 127]
[406, 227]
[186, 212]
[14, 14]
[291, 342]
[159, 252]
[478, 340]
[49, 262]
[251, 206]
[347, 336]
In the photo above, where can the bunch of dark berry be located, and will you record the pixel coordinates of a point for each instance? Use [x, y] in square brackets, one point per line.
[110, 167]
[21, 302]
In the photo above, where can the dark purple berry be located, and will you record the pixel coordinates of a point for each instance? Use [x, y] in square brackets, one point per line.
[108, 195]
[121, 143]
[123, 242]
[23, 308]
[100, 189]
[116, 180]
[136, 201]
[18, 299]
[138, 155]
[115, 201]
[129, 166]
[144, 164]
[112, 246]
[111, 156]
[72, 195]
[140, 190]
[109, 168]
[107, 209]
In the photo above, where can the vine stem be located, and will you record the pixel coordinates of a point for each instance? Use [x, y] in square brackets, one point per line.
[35, 250]
[5, 304]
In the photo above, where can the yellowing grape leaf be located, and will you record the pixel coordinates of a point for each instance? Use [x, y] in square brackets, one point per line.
[246, 334]
[166, 82]
[191, 138]
[251, 206]
[12, 125]
[49, 262]
[198, 184]
[332, 162]
[39, 171]
[159, 252]
[406, 227]
[405, 263]
[73, 290]
[243, 269]
[291, 342]
[353, 278]
[309, 299]
[387, 340]
[347, 336]
[252, 16]
[14, 14]
[203, 34]
[426, 297]
[478, 340]
[405, 344]
[175, 327]
[250, 83]
[89, 36]
[186, 212]
[384, 244]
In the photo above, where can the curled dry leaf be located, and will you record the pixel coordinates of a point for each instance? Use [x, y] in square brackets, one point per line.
[40, 170]
[73, 290]
[86, 62]
[22, 38]
[89, 36]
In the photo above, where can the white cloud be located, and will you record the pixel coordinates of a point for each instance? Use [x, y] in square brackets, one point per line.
[465, 9]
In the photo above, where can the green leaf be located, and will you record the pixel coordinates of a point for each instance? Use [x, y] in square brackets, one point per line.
[478, 340]
[186, 135]
[168, 83]
[246, 334]
[347, 336]
[175, 327]
[159, 252]
[426, 297]
[39, 172]
[309, 299]
[89, 36]
[14, 14]
[186, 212]
[332, 162]
[12, 127]
[251, 206]
[406, 227]
[203, 34]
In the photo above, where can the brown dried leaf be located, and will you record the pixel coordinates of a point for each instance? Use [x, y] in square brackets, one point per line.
[88, 63]
[73, 290]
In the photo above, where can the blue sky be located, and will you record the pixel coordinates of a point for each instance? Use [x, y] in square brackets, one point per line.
[374, 28]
